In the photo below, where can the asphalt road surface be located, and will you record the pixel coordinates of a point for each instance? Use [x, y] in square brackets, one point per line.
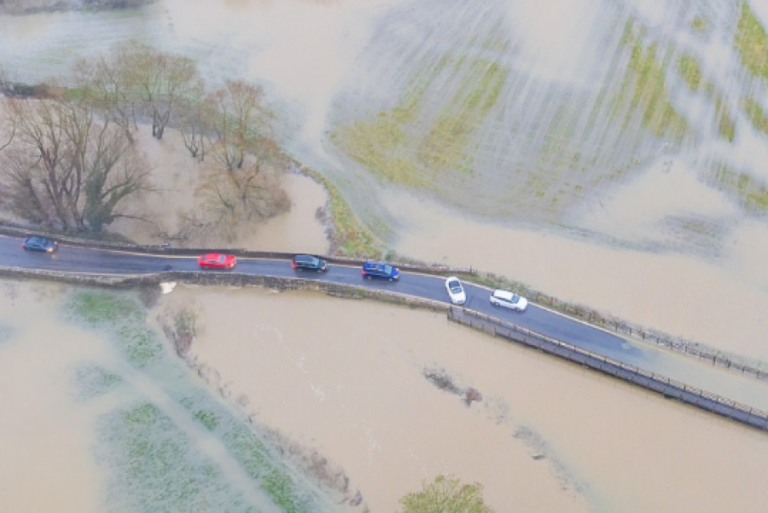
[535, 318]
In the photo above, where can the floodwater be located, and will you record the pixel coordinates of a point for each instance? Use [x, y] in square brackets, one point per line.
[346, 377]
[45, 434]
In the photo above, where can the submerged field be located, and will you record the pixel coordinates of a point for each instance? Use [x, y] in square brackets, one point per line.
[540, 118]
[155, 433]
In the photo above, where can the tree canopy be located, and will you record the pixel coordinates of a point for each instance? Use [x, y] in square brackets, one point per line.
[446, 494]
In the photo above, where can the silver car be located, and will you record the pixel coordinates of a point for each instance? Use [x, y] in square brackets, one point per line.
[455, 291]
[507, 299]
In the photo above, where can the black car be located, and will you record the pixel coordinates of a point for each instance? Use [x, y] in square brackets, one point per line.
[309, 263]
[380, 271]
[38, 243]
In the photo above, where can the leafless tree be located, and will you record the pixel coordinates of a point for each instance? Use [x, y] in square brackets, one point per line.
[136, 77]
[236, 120]
[162, 81]
[192, 125]
[66, 167]
[103, 83]
[232, 203]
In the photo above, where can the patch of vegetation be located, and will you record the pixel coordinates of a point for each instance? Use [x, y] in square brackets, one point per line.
[690, 70]
[751, 192]
[756, 115]
[92, 381]
[650, 95]
[207, 419]
[751, 41]
[154, 468]
[445, 147]
[700, 25]
[123, 316]
[413, 145]
[644, 87]
[726, 126]
[350, 237]
[382, 144]
[246, 447]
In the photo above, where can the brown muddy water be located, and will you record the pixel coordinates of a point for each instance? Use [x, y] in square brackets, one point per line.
[721, 302]
[45, 435]
[347, 377]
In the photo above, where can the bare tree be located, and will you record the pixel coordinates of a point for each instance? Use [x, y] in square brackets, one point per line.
[232, 203]
[103, 83]
[162, 81]
[192, 124]
[67, 168]
[236, 120]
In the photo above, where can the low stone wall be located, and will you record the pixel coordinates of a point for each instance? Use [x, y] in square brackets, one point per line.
[225, 279]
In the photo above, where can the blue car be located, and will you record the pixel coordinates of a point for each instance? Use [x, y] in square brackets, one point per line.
[38, 243]
[380, 271]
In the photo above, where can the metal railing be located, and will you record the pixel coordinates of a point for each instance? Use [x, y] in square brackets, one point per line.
[649, 380]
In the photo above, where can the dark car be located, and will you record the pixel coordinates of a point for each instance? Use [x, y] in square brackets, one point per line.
[38, 243]
[309, 263]
[380, 271]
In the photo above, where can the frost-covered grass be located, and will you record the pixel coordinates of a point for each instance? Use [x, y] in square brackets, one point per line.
[690, 70]
[123, 316]
[752, 42]
[149, 443]
[647, 73]
[751, 192]
[756, 115]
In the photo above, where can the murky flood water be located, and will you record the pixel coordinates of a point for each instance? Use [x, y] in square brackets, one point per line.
[46, 435]
[347, 377]
[663, 240]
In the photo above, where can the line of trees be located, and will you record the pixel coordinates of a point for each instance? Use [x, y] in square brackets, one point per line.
[70, 161]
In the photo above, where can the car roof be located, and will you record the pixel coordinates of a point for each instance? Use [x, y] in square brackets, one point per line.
[379, 266]
[305, 258]
[503, 294]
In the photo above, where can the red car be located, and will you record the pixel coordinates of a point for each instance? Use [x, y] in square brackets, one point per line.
[217, 261]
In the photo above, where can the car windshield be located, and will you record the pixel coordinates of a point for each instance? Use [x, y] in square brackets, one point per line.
[219, 258]
[387, 269]
[455, 286]
[515, 298]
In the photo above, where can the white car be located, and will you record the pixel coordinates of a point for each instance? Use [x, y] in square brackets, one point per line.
[509, 300]
[455, 291]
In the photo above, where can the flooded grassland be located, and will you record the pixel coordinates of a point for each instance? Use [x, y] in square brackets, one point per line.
[100, 416]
